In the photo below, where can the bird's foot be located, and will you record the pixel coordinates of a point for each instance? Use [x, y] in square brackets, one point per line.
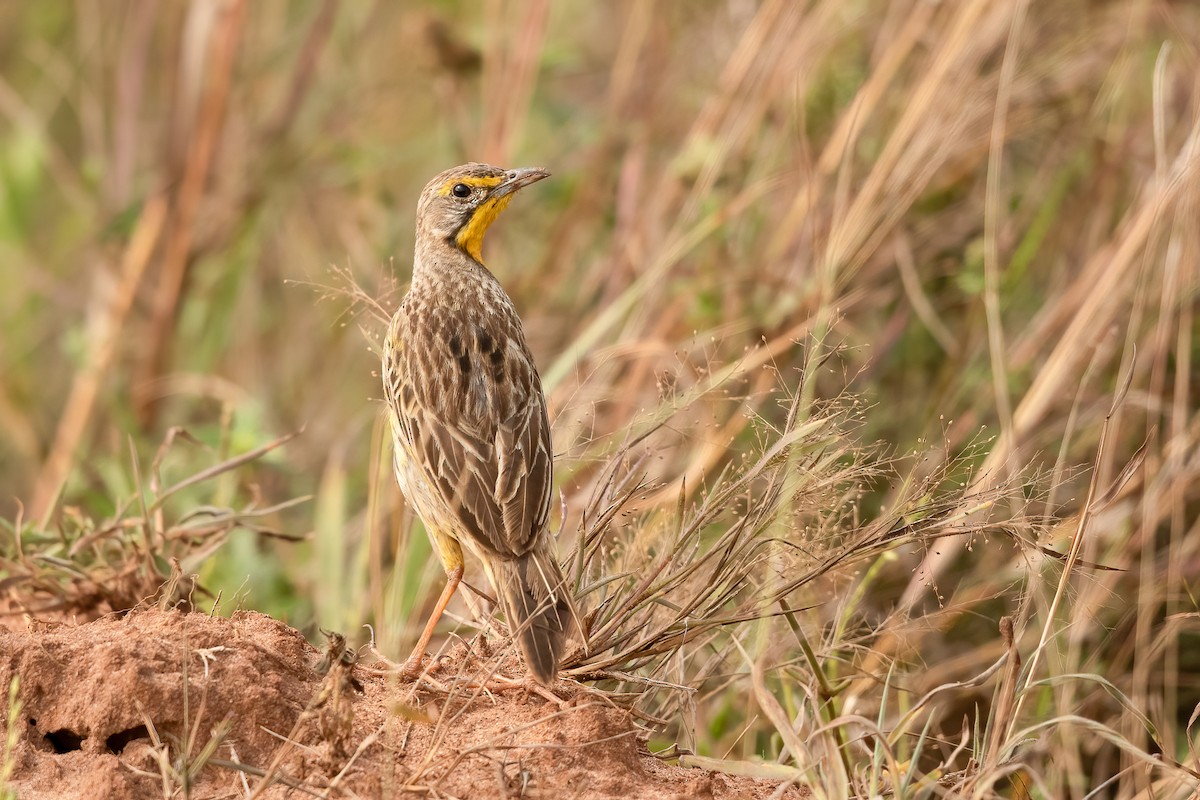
[407, 670]
[531, 687]
[410, 669]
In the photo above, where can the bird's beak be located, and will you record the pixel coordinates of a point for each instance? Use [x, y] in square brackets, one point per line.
[518, 179]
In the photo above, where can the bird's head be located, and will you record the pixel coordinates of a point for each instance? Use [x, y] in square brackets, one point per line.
[459, 205]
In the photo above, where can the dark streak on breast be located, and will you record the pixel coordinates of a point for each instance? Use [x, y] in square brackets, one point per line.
[486, 345]
[460, 353]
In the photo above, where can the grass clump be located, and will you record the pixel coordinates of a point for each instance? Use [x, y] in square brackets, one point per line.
[147, 549]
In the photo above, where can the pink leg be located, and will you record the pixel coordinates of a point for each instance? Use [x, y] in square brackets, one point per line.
[412, 667]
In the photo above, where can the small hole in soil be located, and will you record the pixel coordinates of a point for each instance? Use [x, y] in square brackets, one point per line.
[117, 742]
[64, 741]
[32, 722]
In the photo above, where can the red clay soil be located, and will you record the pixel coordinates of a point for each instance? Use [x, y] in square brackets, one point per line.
[97, 696]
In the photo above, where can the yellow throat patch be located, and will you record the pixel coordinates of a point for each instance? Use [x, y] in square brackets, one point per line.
[470, 237]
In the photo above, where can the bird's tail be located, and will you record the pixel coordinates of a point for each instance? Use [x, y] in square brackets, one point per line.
[539, 607]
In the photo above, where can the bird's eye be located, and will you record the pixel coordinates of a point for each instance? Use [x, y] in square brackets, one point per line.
[461, 190]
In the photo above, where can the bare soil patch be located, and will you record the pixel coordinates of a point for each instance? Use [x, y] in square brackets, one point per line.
[107, 703]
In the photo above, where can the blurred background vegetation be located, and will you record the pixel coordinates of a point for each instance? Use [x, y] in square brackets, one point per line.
[982, 215]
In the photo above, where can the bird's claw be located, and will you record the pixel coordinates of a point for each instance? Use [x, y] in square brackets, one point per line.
[411, 669]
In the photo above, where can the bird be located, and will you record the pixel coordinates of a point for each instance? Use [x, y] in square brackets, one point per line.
[470, 432]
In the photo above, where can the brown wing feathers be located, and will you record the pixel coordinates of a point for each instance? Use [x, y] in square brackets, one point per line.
[493, 471]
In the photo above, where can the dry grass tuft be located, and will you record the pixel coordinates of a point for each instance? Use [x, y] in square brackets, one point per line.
[140, 554]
